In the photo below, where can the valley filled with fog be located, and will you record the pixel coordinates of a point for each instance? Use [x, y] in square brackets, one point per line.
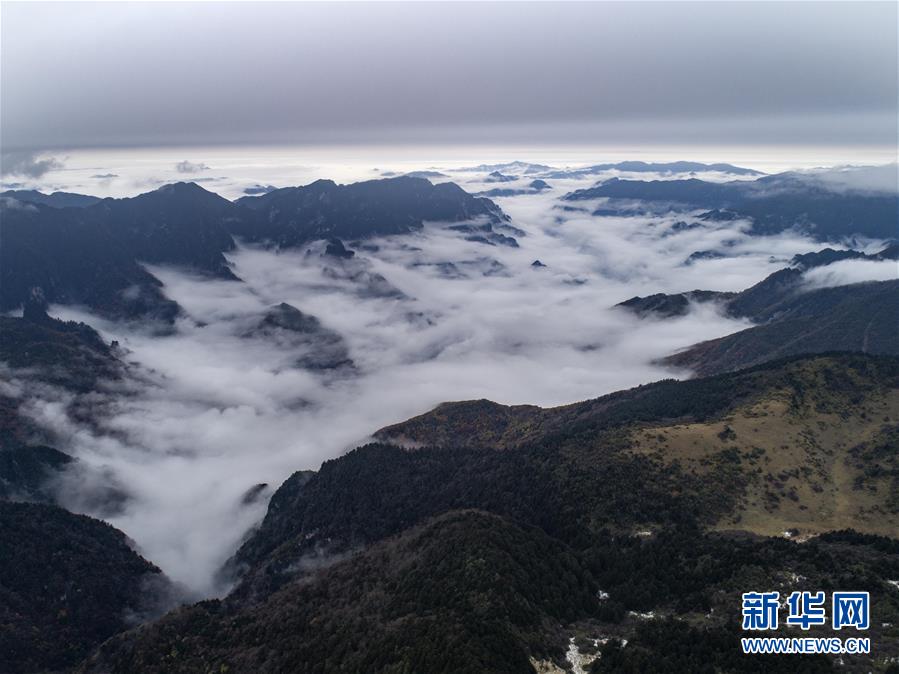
[511, 337]
[218, 405]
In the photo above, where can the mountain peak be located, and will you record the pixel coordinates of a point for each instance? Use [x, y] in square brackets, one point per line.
[180, 187]
[180, 194]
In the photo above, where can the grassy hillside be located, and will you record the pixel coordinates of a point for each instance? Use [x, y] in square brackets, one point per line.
[807, 444]
[804, 462]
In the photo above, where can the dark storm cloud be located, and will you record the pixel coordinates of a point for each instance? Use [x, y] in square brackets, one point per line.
[186, 73]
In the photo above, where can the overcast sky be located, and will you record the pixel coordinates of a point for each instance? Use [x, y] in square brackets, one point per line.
[84, 75]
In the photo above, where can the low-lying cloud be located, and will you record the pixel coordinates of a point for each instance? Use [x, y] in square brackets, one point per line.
[882, 179]
[190, 167]
[845, 272]
[29, 164]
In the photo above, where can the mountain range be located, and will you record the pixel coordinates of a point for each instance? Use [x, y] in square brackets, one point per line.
[296, 215]
[667, 168]
[791, 316]
[55, 199]
[92, 255]
[773, 203]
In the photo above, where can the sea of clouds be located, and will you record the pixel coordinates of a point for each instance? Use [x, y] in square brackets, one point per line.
[207, 412]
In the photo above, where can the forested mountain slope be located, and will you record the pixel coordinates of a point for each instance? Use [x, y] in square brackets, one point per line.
[669, 499]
